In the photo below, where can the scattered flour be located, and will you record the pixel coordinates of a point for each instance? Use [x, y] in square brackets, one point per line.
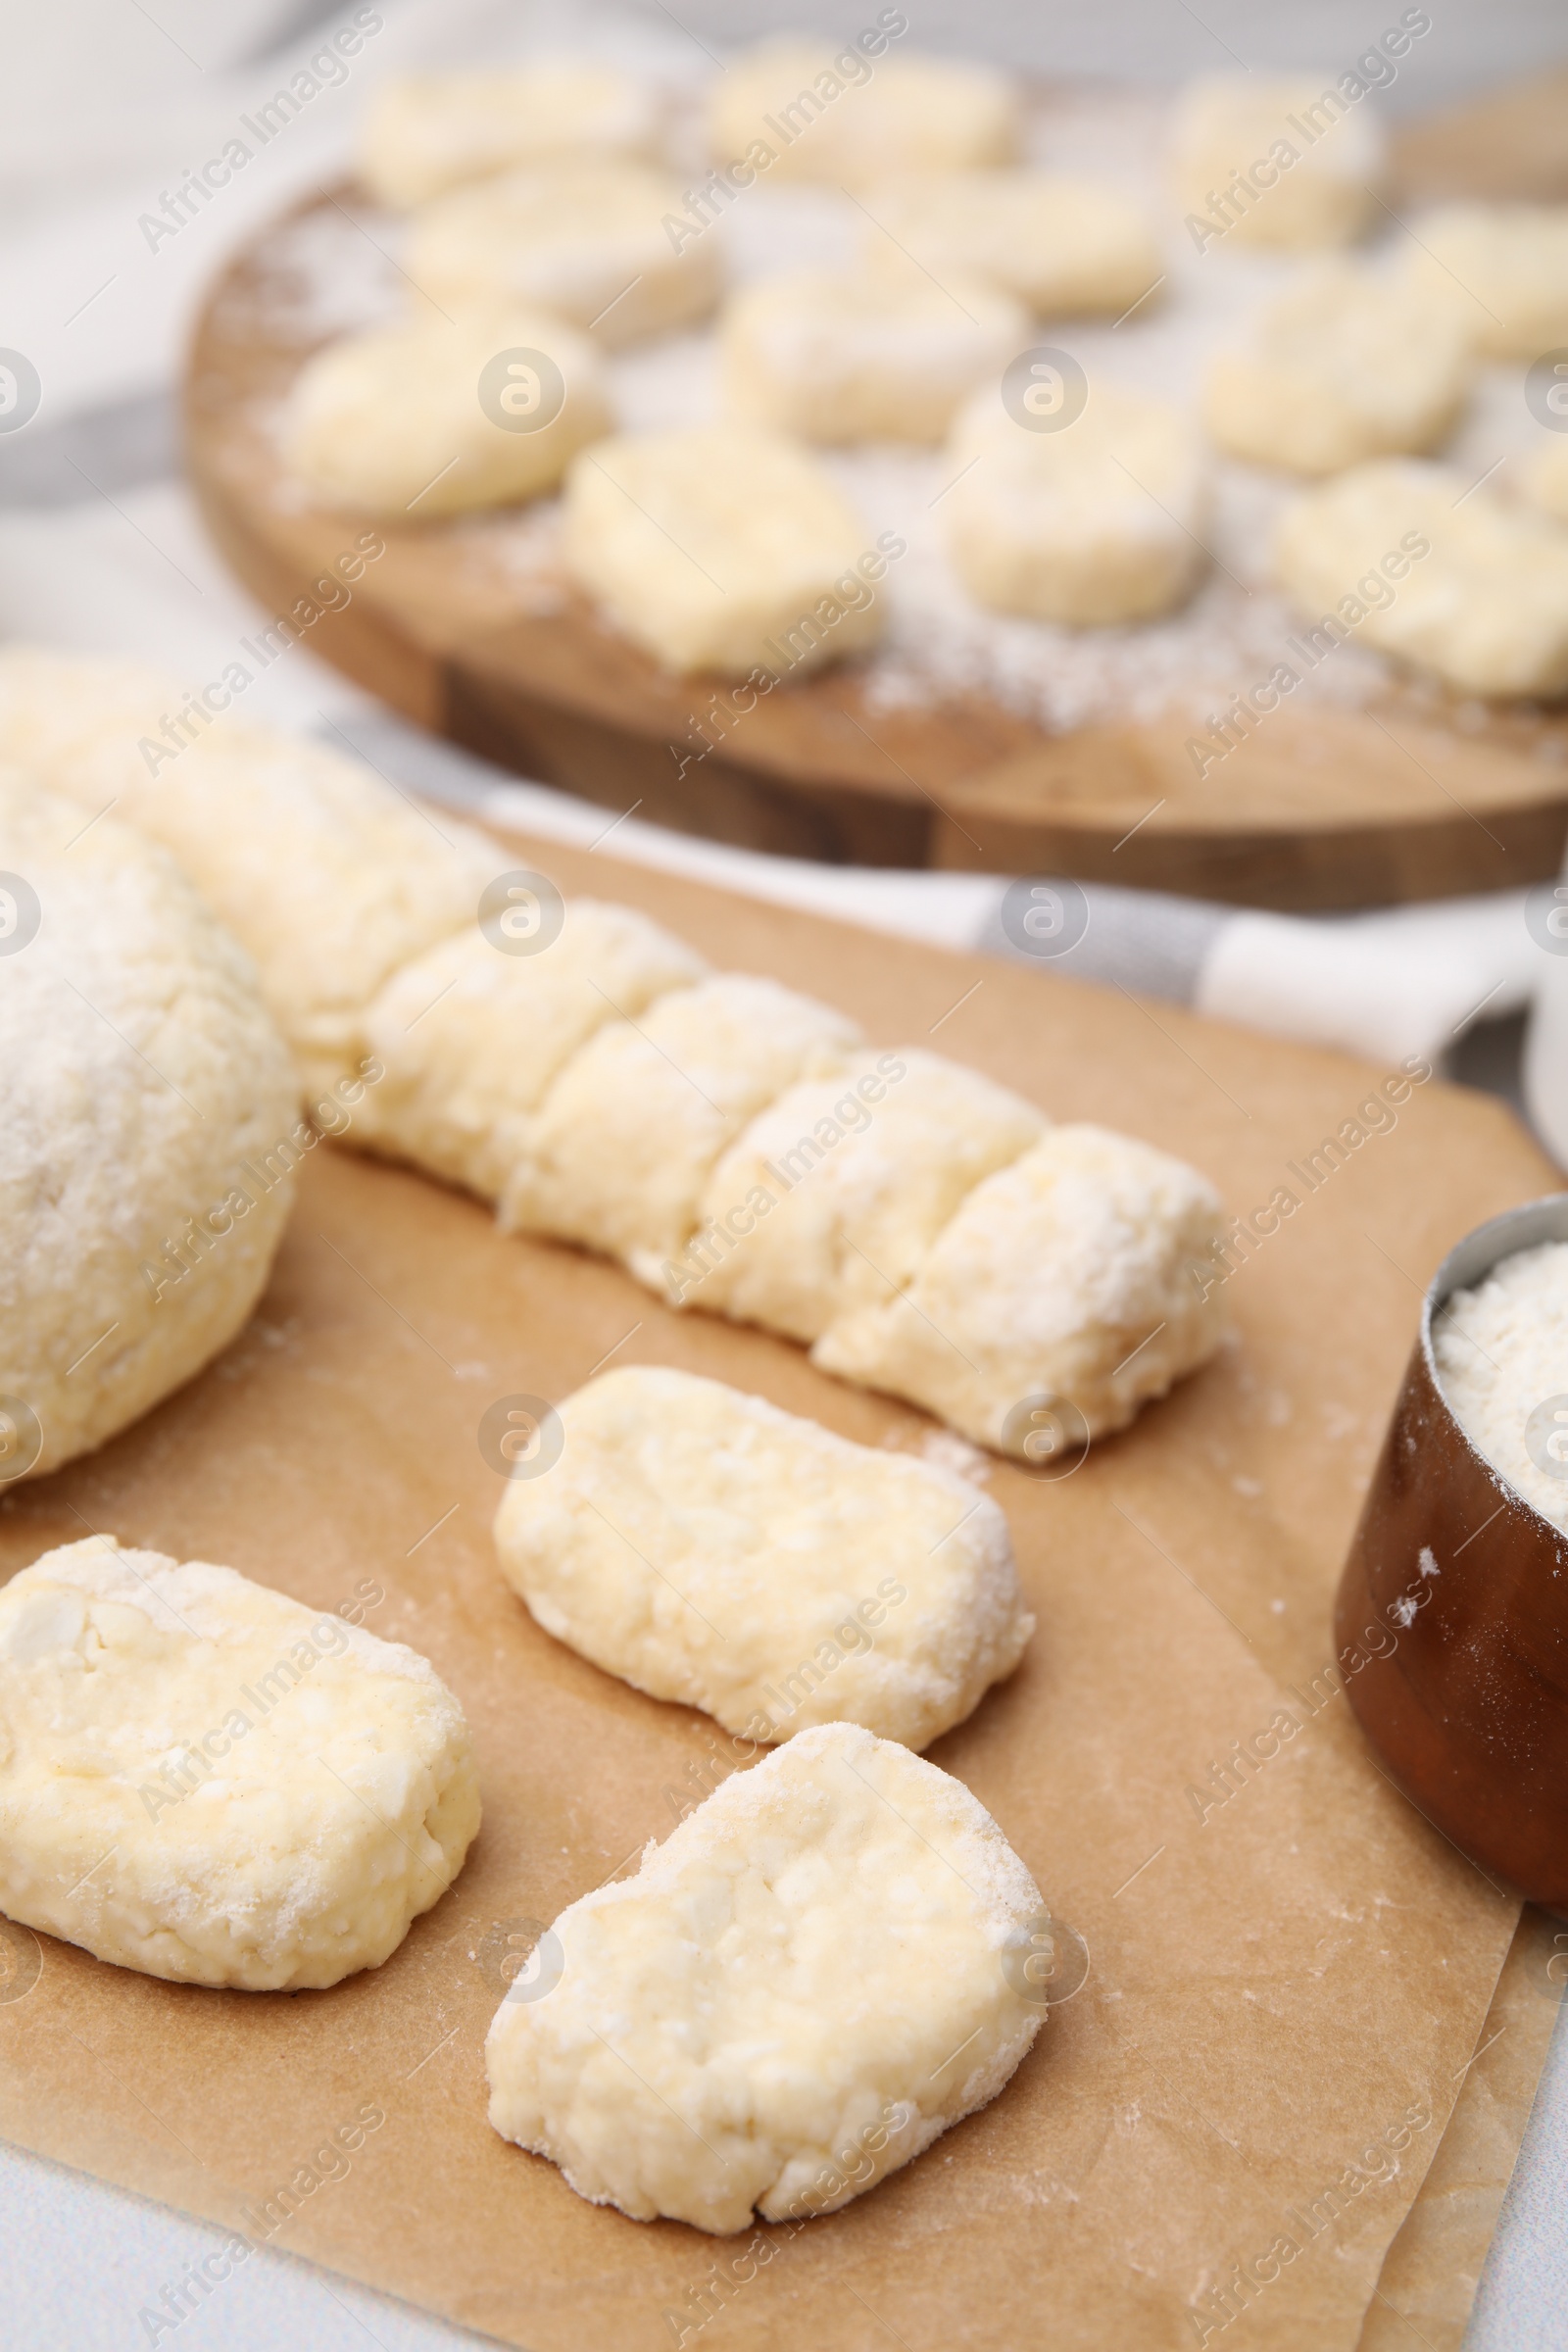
[1501, 1352]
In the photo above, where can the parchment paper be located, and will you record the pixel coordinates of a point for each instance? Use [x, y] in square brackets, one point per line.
[1282, 1984]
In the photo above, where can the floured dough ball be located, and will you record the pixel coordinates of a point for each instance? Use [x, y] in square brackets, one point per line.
[586, 241]
[1060, 246]
[423, 133]
[1416, 560]
[1504, 269]
[723, 548]
[472, 1034]
[1285, 163]
[710, 1550]
[831, 1200]
[838, 356]
[1544, 475]
[821, 1969]
[1066, 1276]
[151, 1120]
[439, 416]
[206, 1782]
[800, 110]
[619, 1155]
[1091, 525]
[1346, 367]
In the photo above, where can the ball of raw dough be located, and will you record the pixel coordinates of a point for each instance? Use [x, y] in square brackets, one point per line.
[723, 548]
[800, 110]
[619, 1155]
[1503, 268]
[1068, 1277]
[832, 1198]
[205, 1780]
[821, 1969]
[586, 241]
[839, 357]
[1287, 163]
[414, 420]
[1345, 367]
[1417, 561]
[1062, 246]
[151, 1119]
[1091, 524]
[423, 133]
[471, 1035]
[710, 1550]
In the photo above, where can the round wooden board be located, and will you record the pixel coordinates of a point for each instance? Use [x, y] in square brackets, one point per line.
[1323, 809]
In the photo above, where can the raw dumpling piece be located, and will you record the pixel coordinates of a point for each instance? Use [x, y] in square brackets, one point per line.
[722, 548]
[423, 133]
[812, 1978]
[1091, 525]
[408, 420]
[832, 1198]
[471, 1037]
[151, 1120]
[840, 115]
[1347, 367]
[1292, 164]
[583, 239]
[838, 357]
[1060, 246]
[205, 1780]
[622, 1147]
[1502, 268]
[1425, 565]
[708, 1548]
[1066, 1276]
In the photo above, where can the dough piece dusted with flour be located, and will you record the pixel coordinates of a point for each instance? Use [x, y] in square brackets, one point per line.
[1289, 163]
[708, 1548]
[1502, 268]
[423, 133]
[1068, 1276]
[622, 1149]
[207, 1782]
[472, 1034]
[722, 548]
[1062, 247]
[583, 239]
[151, 1118]
[846, 118]
[831, 1200]
[1096, 522]
[821, 1969]
[836, 357]
[432, 417]
[1425, 565]
[1343, 367]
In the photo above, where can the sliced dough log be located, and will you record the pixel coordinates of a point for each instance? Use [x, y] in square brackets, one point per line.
[831, 1200]
[151, 1119]
[471, 1035]
[1346, 367]
[816, 1974]
[839, 357]
[800, 110]
[423, 133]
[1418, 562]
[622, 1147]
[1286, 163]
[710, 1548]
[406, 422]
[205, 1780]
[723, 548]
[583, 239]
[1096, 522]
[1063, 247]
[1502, 268]
[1066, 1276]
